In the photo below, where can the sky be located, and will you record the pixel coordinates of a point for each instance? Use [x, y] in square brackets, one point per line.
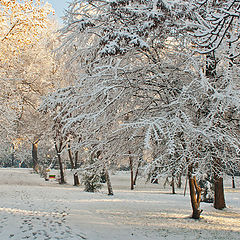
[59, 6]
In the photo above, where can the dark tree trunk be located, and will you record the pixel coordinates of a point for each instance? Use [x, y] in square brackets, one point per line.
[12, 156]
[173, 185]
[70, 157]
[179, 184]
[62, 179]
[233, 182]
[195, 194]
[76, 179]
[109, 185]
[76, 160]
[219, 199]
[185, 186]
[136, 173]
[73, 162]
[211, 65]
[35, 157]
[131, 171]
[58, 150]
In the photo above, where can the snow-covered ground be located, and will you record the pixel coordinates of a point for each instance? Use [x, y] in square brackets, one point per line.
[31, 208]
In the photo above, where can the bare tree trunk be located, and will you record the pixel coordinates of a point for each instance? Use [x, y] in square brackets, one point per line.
[109, 185]
[173, 185]
[76, 177]
[185, 187]
[62, 179]
[131, 170]
[179, 181]
[12, 155]
[195, 194]
[73, 162]
[70, 156]
[35, 157]
[219, 199]
[76, 160]
[136, 173]
[13, 159]
[233, 182]
[58, 150]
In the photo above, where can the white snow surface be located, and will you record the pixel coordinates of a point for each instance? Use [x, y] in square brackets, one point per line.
[31, 208]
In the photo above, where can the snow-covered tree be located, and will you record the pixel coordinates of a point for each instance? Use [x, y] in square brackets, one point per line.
[28, 71]
[216, 35]
[21, 23]
[134, 59]
[217, 27]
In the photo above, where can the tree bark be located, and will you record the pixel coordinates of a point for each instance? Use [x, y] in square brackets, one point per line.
[179, 184]
[136, 173]
[185, 186]
[195, 195]
[62, 179]
[58, 150]
[70, 156]
[233, 182]
[35, 157]
[12, 155]
[76, 160]
[76, 179]
[73, 162]
[109, 185]
[219, 199]
[173, 185]
[131, 171]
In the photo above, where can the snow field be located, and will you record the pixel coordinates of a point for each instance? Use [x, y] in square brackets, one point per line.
[31, 208]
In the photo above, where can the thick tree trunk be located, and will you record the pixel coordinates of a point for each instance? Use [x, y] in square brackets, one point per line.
[109, 185]
[219, 199]
[195, 194]
[35, 157]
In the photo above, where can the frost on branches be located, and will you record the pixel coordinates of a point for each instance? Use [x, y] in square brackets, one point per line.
[117, 27]
[217, 25]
